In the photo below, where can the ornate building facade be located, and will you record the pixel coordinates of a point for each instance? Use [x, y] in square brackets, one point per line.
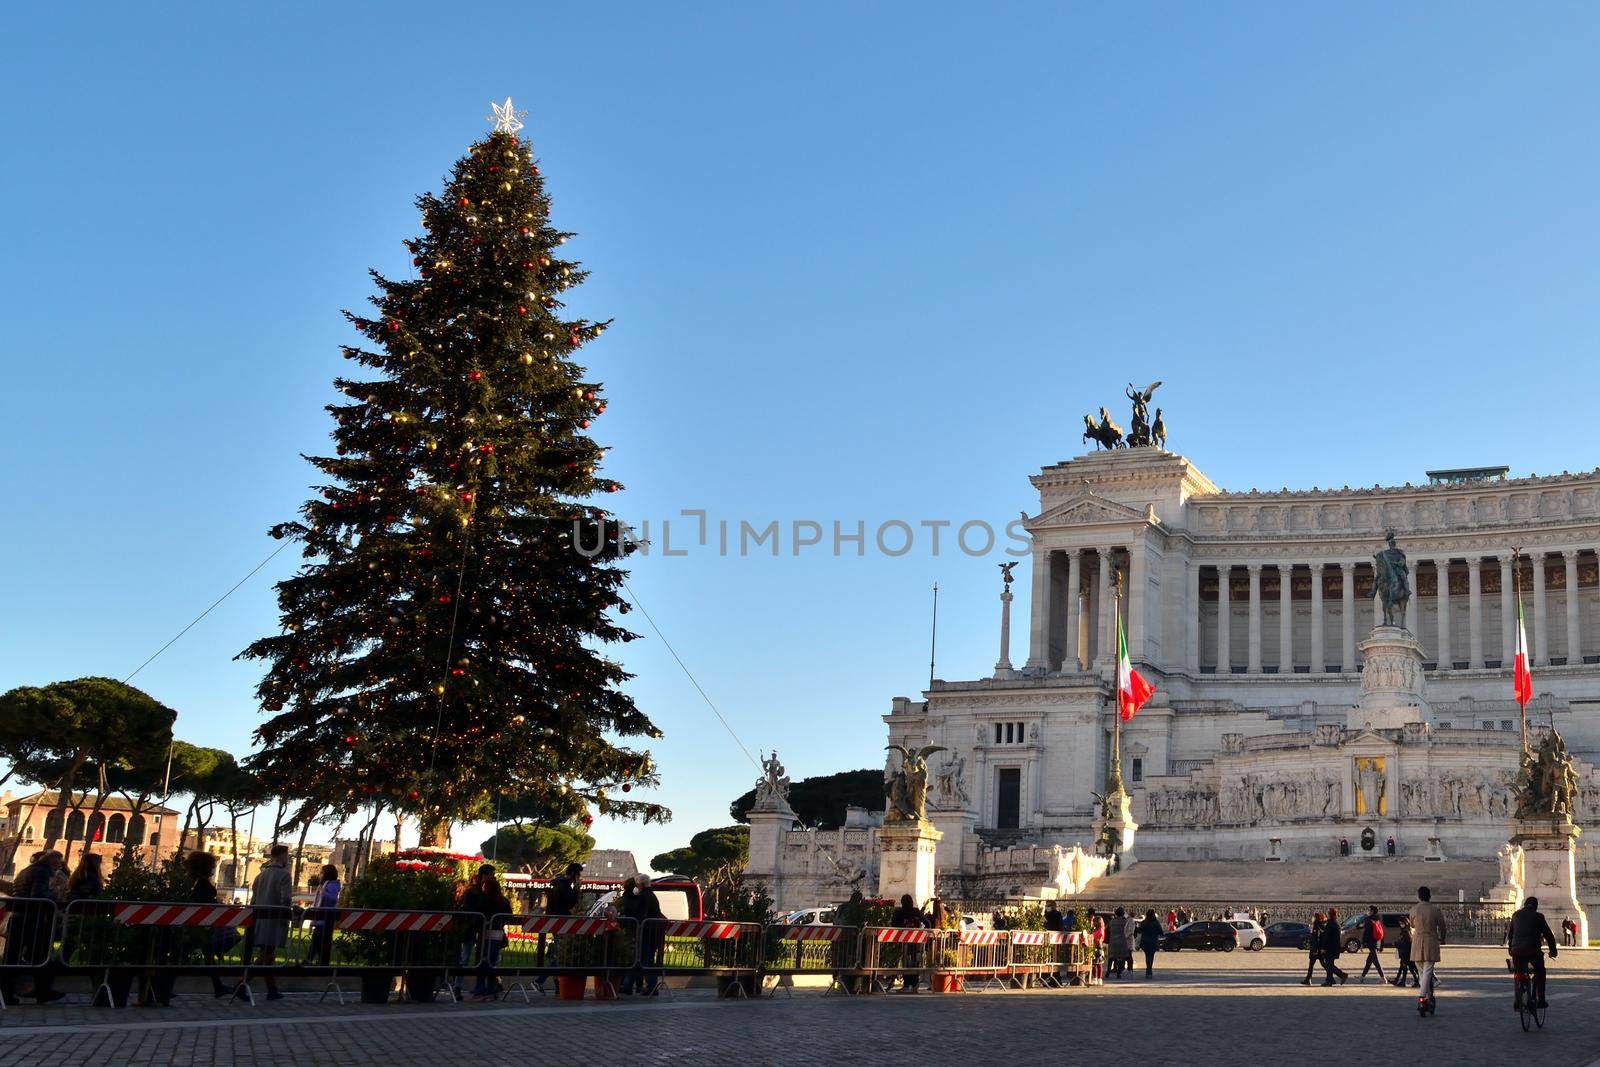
[1249, 612]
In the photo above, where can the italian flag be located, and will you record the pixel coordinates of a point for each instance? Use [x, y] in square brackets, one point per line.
[1132, 690]
[1521, 677]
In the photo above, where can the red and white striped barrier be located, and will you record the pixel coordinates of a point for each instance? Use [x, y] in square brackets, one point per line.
[693, 928]
[181, 915]
[1035, 937]
[981, 937]
[561, 925]
[812, 933]
[903, 936]
[405, 921]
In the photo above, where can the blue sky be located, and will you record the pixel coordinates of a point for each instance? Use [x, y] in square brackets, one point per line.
[867, 262]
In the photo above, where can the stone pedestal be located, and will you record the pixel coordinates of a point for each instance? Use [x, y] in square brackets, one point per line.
[1391, 682]
[1118, 822]
[770, 822]
[1549, 869]
[958, 846]
[906, 860]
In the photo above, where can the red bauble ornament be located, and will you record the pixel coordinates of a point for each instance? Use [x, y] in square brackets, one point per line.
[588, 820]
[527, 265]
[583, 424]
[544, 261]
[350, 740]
[393, 326]
[486, 448]
[474, 375]
[444, 598]
[523, 230]
[521, 310]
[464, 202]
[416, 261]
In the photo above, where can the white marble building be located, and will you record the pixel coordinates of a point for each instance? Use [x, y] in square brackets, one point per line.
[1247, 610]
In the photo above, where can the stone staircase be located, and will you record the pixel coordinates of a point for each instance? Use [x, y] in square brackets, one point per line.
[1386, 880]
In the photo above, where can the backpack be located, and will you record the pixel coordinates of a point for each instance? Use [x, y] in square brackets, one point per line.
[1377, 931]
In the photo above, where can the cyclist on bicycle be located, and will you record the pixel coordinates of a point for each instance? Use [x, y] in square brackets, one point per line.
[1523, 934]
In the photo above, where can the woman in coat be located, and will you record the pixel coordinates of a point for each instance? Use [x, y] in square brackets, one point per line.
[1314, 947]
[1149, 931]
[1119, 943]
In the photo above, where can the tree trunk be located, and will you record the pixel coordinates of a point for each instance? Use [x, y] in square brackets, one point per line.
[399, 825]
[433, 832]
[233, 824]
[299, 849]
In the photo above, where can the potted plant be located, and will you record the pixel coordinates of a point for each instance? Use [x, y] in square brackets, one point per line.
[943, 981]
[406, 882]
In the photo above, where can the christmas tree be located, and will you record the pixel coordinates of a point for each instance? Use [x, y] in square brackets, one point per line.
[443, 642]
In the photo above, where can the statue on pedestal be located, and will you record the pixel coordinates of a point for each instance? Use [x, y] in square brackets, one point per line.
[1547, 783]
[772, 788]
[906, 788]
[952, 789]
[1139, 426]
[1393, 581]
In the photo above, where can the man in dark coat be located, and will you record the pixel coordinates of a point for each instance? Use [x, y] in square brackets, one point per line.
[1524, 933]
[1332, 945]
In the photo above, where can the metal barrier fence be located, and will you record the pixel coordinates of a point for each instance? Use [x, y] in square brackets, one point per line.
[791, 949]
[890, 952]
[1469, 923]
[118, 942]
[29, 926]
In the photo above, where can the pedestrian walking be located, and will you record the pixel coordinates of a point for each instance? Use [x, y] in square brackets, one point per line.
[1402, 951]
[1314, 947]
[1097, 934]
[1119, 942]
[1149, 936]
[1052, 918]
[1372, 933]
[1172, 920]
[271, 895]
[1427, 938]
[485, 897]
[323, 914]
[1332, 945]
[652, 937]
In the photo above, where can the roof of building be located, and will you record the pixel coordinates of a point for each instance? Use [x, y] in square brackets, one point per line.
[49, 798]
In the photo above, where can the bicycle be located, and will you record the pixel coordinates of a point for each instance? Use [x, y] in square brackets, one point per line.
[1523, 1002]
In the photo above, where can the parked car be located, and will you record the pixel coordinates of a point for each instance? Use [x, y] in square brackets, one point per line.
[1391, 929]
[1289, 935]
[1252, 937]
[821, 915]
[1202, 935]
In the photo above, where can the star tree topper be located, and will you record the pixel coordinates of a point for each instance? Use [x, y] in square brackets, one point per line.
[506, 119]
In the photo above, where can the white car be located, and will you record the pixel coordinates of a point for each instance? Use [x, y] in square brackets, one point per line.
[1251, 936]
[821, 915]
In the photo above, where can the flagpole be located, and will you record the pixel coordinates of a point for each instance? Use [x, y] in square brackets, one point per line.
[1516, 583]
[933, 641]
[1114, 777]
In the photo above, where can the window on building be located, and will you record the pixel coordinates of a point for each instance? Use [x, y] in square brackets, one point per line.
[1138, 769]
[1487, 724]
[27, 832]
[97, 827]
[136, 829]
[1506, 724]
[1011, 729]
[75, 826]
[1008, 798]
[116, 828]
[52, 825]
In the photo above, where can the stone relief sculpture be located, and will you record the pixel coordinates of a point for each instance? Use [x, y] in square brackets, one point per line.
[1371, 786]
[952, 787]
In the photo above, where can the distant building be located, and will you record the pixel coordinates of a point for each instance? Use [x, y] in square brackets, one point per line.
[610, 865]
[346, 851]
[38, 819]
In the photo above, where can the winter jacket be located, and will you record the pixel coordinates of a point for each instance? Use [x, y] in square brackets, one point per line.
[1427, 932]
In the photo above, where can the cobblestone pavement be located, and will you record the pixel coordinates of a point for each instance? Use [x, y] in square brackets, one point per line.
[1232, 1010]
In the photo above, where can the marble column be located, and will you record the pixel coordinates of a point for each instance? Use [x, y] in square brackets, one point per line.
[1474, 613]
[1074, 606]
[1319, 655]
[1191, 651]
[1253, 664]
[1135, 606]
[1104, 638]
[1445, 659]
[1285, 618]
[1039, 607]
[1541, 636]
[1414, 604]
[1002, 666]
[1508, 612]
[1574, 634]
[1347, 597]
[1224, 620]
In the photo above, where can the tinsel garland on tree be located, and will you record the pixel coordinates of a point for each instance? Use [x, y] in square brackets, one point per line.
[443, 642]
